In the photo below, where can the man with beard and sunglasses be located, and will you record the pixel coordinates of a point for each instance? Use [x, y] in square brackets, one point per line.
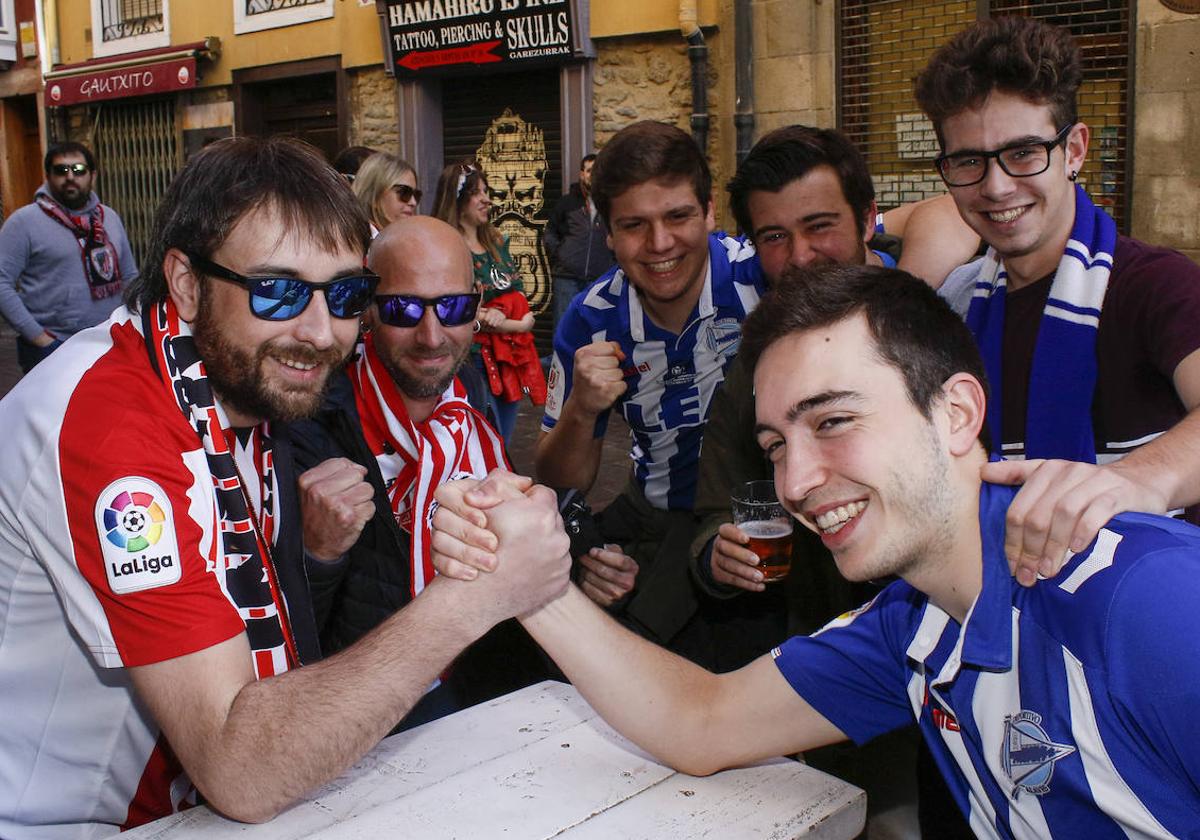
[152, 588]
[408, 415]
[63, 258]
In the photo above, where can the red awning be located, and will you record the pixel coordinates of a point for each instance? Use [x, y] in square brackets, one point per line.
[162, 70]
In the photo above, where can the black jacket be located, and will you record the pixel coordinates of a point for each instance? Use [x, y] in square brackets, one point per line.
[353, 596]
[576, 242]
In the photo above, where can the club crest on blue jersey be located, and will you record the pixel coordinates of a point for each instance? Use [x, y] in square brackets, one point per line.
[1029, 755]
[724, 336]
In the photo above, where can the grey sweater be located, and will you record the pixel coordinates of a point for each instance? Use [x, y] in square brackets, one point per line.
[42, 284]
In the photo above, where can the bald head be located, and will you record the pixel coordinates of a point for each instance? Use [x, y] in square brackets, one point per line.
[425, 258]
[422, 256]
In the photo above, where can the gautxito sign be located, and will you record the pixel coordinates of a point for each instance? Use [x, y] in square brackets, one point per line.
[160, 77]
[427, 36]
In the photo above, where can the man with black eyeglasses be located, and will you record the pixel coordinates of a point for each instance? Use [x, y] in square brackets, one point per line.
[159, 645]
[63, 259]
[1091, 339]
[408, 415]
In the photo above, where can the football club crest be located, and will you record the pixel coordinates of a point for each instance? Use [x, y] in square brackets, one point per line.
[1028, 755]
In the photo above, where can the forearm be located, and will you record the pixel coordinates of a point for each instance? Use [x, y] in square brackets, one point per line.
[569, 455]
[658, 700]
[15, 312]
[1170, 463]
[286, 735]
[515, 325]
[936, 241]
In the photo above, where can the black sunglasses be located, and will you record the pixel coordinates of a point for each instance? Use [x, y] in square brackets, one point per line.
[73, 168]
[1023, 159]
[284, 298]
[406, 193]
[408, 310]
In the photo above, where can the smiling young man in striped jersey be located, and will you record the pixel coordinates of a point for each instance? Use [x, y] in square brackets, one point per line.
[1091, 339]
[1065, 709]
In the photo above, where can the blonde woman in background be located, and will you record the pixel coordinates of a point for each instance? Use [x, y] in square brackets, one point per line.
[503, 349]
[386, 186]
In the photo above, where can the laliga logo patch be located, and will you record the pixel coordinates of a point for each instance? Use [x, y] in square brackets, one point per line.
[137, 536]
[1028, 755]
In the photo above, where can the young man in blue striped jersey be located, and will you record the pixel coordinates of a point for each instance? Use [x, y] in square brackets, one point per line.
[1065, 709]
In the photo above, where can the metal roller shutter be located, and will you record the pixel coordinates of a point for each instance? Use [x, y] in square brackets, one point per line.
[883, 44]
[138, 152]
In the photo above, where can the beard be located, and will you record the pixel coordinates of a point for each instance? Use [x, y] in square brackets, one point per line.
[77, 199]
[421, 387]
[237, 373]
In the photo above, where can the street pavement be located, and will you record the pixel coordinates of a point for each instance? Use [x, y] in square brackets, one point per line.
[614, 470]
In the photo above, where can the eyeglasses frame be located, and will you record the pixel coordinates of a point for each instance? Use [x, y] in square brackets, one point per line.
[426, 305]
[248, 282]
[76, 169]
[414, 193]
[1059, 139]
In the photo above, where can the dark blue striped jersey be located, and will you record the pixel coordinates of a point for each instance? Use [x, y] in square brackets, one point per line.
[671, 378]
[1068, 709]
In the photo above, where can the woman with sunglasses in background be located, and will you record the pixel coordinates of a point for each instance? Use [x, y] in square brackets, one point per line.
[386, 186]
[503, 349]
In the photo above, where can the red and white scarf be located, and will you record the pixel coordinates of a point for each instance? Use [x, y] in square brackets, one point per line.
[456, 441]
[243, 563]
[101, 263]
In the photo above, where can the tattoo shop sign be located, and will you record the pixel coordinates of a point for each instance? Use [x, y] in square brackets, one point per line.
[425, 37]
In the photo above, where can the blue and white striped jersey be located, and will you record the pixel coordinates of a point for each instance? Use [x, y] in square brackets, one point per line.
[1069, 709]
[671, 378]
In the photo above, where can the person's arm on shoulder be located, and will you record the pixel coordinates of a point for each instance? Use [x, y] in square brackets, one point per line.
[14, 252]
[936, 239]
[253, 747]
[1062, 505]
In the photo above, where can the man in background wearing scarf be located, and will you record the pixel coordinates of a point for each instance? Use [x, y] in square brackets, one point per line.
[63, 259]
[1090, 338]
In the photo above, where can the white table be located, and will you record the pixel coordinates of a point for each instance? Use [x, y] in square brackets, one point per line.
[540, 763]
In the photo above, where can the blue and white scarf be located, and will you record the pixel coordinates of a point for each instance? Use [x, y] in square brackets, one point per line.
[1058, 421]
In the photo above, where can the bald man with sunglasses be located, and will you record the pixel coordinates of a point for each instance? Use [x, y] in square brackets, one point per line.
[159, 646]
[408, 415]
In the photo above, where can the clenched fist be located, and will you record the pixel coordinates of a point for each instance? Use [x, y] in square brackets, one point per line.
[598, 380]
[336, 501]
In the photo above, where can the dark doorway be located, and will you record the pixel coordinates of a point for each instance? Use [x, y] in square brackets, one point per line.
[20, 152]
[304, 99]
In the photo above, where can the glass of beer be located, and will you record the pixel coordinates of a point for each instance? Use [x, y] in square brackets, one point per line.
[760, 516]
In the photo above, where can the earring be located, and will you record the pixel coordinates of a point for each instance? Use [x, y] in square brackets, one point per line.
[1074, 174]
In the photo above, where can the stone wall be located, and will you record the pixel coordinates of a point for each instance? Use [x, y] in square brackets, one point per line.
[1166, 184]
[373, 117]
[643, 77]
[649, 77]
[793, 63]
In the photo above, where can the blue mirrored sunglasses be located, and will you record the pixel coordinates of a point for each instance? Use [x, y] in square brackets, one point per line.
[408, 310]
[284, 298]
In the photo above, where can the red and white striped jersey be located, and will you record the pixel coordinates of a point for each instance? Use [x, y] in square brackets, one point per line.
[109, 558]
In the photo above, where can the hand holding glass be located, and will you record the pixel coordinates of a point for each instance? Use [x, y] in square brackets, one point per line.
[760, 516]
